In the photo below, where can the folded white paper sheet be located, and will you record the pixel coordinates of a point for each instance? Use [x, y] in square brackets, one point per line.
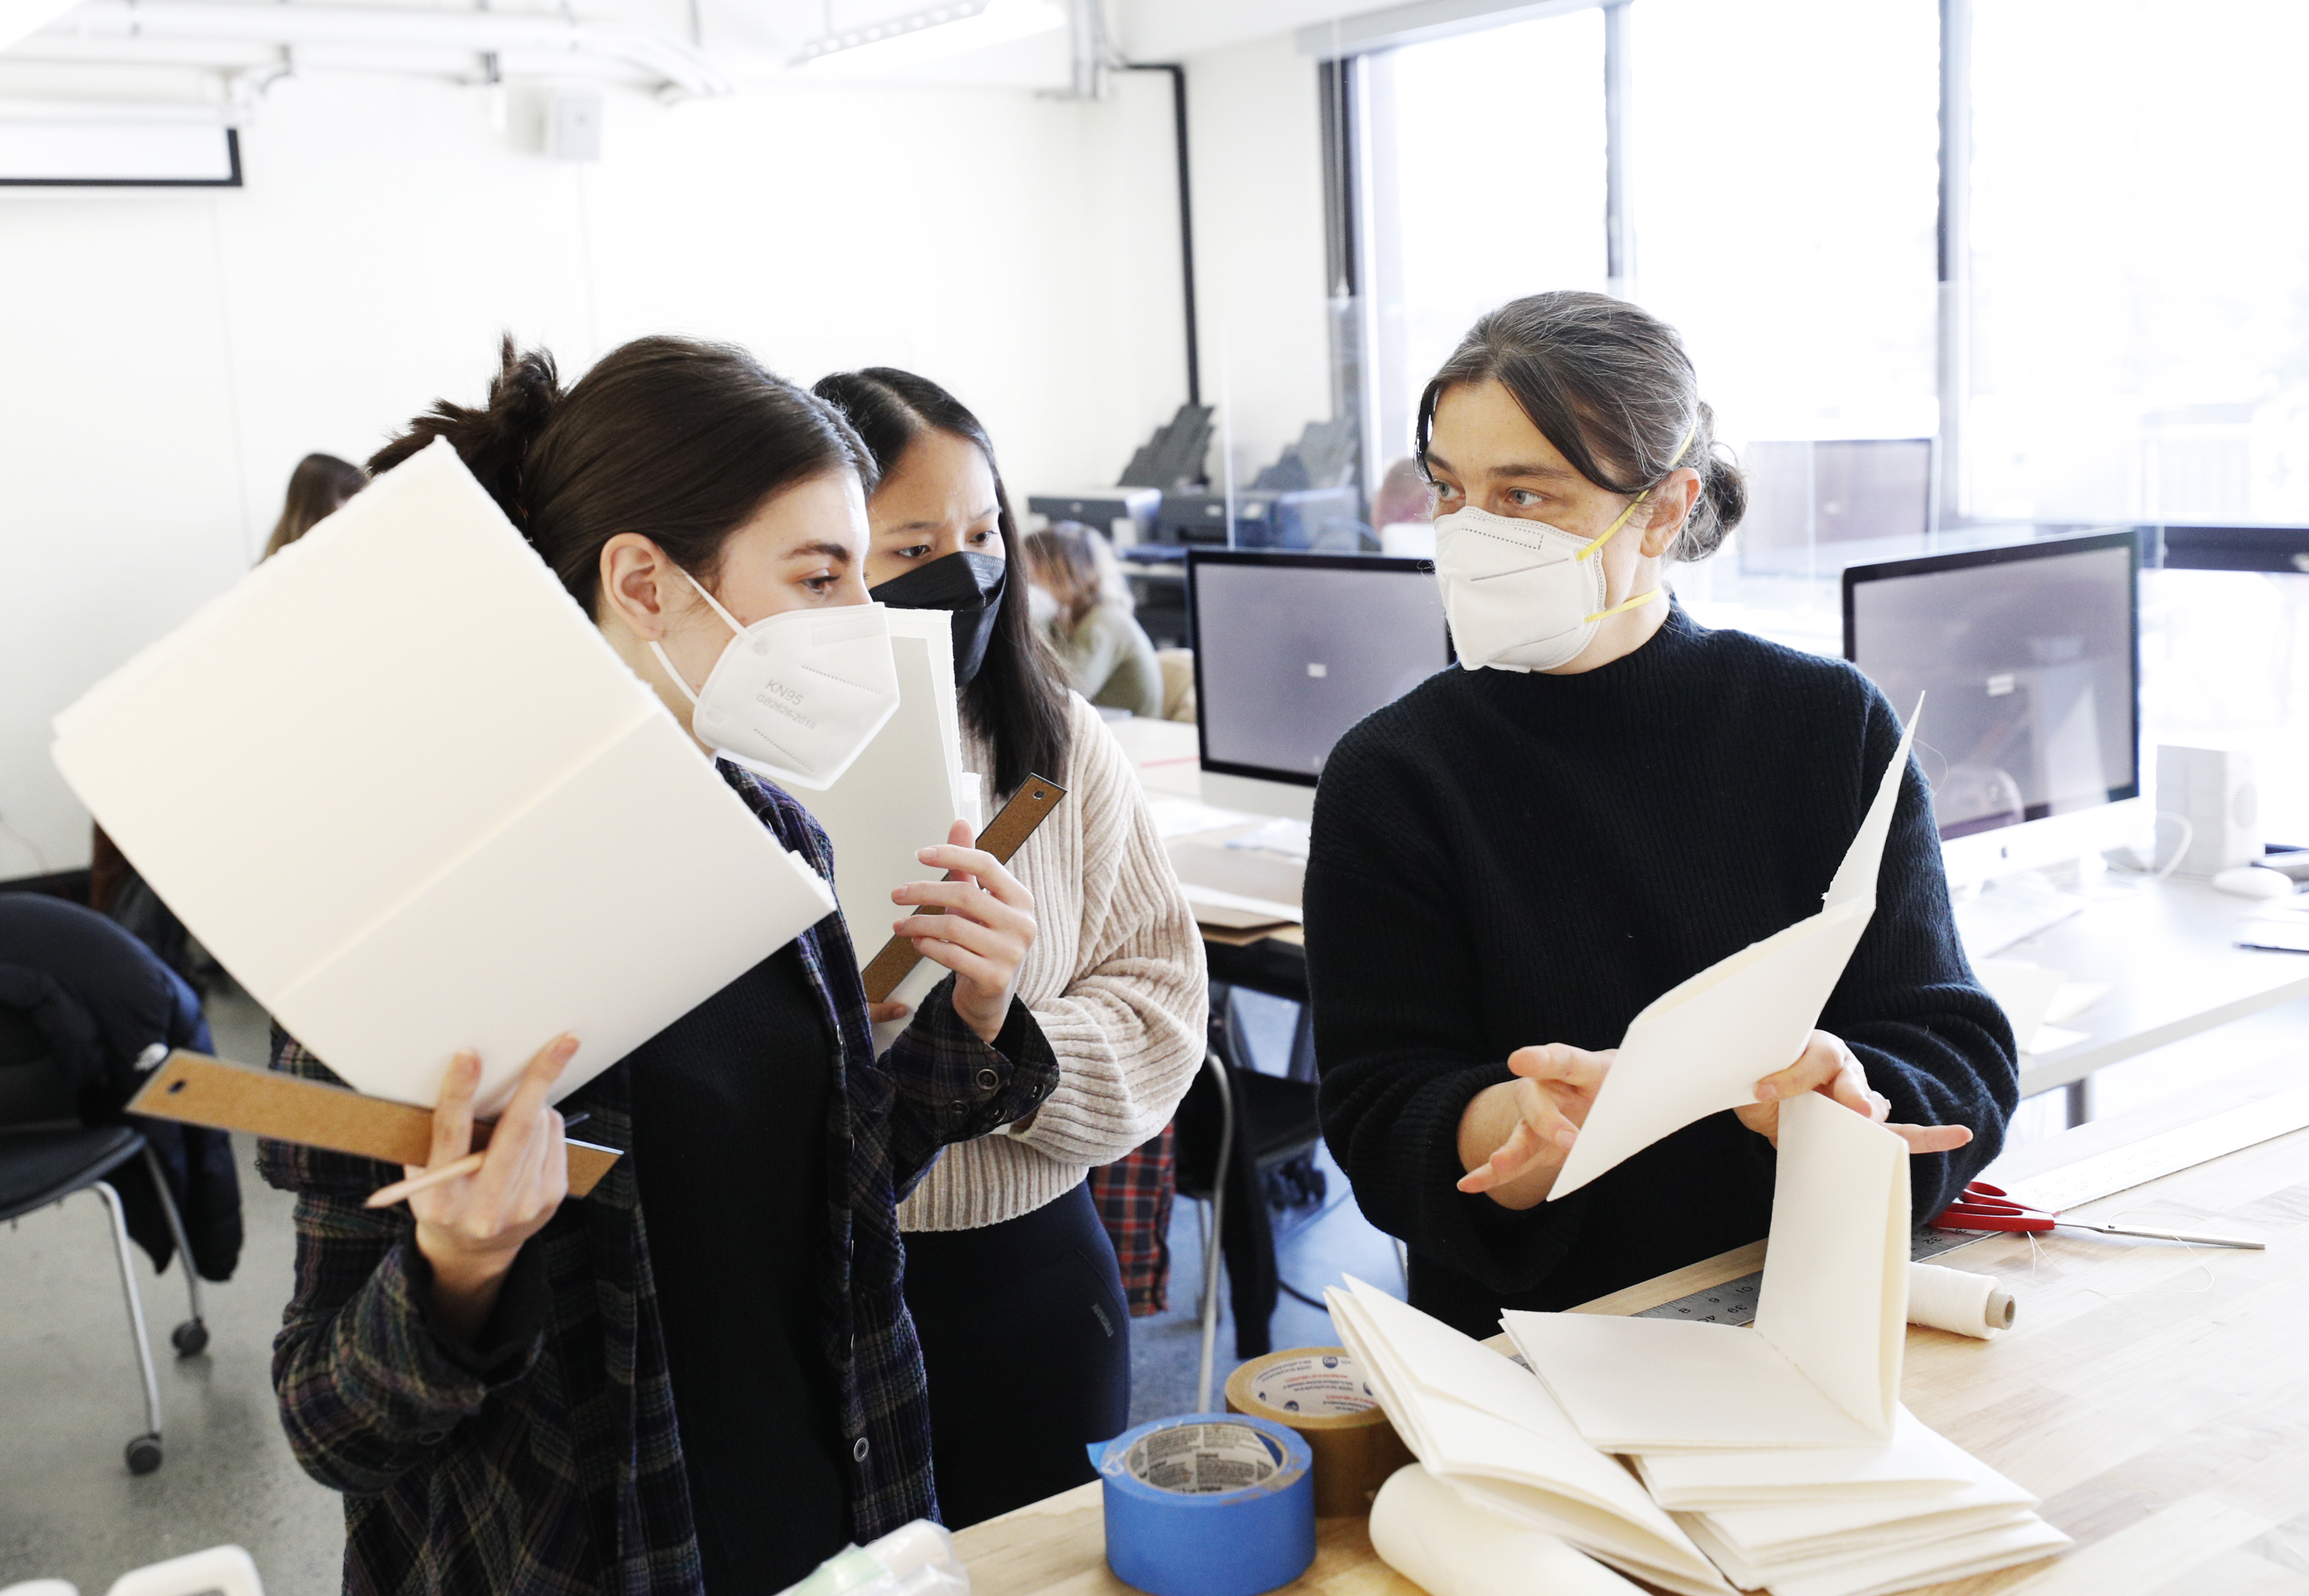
[1477, 1421]
[903, 790]
[1700, 1048]
[1918, 1463]
[2022, 1537]
[1822, 1366]
[399, 784]
[1434, 1537]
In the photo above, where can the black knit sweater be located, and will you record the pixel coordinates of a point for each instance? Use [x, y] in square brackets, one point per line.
[1503, 858]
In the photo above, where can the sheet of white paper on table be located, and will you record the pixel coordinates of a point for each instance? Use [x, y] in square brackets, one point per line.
[1822, 1366]
[1700, 1048]
[1176, 816]
[1917, 1462]
[383, 828]
[2023, 1538]
[1432, 1535]
[1476, 1418]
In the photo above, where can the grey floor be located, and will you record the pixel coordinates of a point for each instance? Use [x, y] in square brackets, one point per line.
[69, 1400]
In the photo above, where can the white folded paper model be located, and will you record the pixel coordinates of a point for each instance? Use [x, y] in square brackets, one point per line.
[1822, 1366]
[902, 793]
[1494, 1433]
[1700, 1048]
[399, 784]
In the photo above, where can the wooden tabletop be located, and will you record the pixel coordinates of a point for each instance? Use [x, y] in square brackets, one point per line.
[2156, 1396]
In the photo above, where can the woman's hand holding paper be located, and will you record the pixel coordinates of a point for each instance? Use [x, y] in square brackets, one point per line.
[1513, 1136]
[470, 1229]
[982, 926]
[1827, 1067]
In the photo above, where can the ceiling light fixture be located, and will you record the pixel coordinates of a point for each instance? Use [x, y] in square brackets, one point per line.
[945, 29]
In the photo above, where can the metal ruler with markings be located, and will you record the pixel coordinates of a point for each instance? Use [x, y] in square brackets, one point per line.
[1734, 1301]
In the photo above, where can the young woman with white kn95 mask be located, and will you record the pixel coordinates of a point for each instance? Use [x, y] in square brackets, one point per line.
[1603, 800]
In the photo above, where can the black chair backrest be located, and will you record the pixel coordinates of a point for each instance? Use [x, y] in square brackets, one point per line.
[35, 1093]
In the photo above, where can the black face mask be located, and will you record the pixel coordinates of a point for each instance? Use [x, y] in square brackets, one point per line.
[970, 586]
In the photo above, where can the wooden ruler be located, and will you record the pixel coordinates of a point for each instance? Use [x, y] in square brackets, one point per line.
[198, 1089]
[1031, 805]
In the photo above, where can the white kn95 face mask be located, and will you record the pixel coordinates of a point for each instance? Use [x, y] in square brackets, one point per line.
[797, 696]
[1523, 595]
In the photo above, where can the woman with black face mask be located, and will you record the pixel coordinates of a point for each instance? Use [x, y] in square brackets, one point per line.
[1013, 1282]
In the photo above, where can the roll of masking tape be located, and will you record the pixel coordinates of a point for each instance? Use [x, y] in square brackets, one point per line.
[1319, 1392]
[1210, 1505]
[1957, 1300]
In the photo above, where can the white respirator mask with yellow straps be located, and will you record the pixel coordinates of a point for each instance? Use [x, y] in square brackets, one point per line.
[1523, 595]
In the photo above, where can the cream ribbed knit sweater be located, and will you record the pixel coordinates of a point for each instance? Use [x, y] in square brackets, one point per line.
[1116, 978]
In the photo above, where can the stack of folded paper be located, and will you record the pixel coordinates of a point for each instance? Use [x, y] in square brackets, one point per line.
[1779, 1455]
[1850, 1521]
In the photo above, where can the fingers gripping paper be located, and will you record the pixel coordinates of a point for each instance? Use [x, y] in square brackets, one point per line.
[1701, 1048]
[399, 784]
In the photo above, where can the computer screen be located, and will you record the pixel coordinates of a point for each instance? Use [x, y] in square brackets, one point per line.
[1292, 649]
[1838, 491]
[2029, 656]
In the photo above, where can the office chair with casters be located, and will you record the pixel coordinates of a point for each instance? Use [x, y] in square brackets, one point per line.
[45, 1156]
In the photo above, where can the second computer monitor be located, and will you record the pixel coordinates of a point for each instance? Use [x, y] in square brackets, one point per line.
[2028, 657]
[1290, 650]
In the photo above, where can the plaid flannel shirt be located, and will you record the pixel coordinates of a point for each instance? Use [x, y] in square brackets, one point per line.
[1133, 1194]
[548, 1462]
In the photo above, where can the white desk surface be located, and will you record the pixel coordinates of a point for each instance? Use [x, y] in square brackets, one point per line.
[2167, 952]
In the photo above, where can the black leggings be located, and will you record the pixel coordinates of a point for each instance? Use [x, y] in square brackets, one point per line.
[1026, 1336]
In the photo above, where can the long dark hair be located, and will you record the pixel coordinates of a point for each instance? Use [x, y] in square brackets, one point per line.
[317, 488]
[1017, 702]
[1610, 385]
[679, 440]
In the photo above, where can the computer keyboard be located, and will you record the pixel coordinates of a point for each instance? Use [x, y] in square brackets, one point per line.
[2011, 911]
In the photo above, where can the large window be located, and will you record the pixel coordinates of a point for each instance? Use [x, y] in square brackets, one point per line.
[1781, 156]
[2139, 343]
[1485, 173]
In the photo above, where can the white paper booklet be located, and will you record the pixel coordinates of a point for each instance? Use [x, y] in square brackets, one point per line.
[900, 794]
[1917, 1463]
[1822, 1366]
[1494, 1433]
[1425, 1530]
[399, 784]
[1700, 1048]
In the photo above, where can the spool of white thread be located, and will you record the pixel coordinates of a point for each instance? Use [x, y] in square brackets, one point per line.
[1956, 1300]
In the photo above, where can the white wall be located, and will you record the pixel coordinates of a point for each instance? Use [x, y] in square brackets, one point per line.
[166, 357]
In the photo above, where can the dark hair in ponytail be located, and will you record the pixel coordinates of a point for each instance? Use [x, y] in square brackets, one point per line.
[679, 440]
[1017, 702]
[317, 489]
[1610, 385]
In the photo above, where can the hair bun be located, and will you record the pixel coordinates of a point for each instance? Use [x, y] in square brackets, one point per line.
[495, 440]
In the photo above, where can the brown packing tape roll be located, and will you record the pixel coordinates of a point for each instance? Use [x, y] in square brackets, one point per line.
[1319, 1392]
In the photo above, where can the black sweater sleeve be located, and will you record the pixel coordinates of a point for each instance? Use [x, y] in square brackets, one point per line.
[1931, 1038]
[1394, 979]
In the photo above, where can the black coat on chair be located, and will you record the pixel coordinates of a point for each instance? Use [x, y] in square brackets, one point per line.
[92, 997]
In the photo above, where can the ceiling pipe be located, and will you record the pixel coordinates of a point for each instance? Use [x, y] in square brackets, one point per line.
[683, 70]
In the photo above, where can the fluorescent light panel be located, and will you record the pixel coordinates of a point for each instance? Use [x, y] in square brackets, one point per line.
[948, 28]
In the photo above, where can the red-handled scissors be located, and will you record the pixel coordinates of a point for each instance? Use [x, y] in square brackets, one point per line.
[1986, 1207]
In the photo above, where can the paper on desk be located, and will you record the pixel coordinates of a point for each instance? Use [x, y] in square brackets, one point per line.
[1822, 1366]
[1918, 1462]
[1447, 1545]
[1176, 816]
[1488, 1427]
[1701, 1048]
[2021, 1538]
[392, 805]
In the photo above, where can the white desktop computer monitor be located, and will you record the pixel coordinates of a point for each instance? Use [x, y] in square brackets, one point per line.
[2029, 659]
[1290, 650]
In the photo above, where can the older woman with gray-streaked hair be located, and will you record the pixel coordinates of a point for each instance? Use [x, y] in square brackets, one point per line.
[1604, 800]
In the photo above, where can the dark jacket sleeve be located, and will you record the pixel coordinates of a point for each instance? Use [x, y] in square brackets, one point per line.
[1394, 980]
[366, 1386]
[946, 1084]
[1930, 1035]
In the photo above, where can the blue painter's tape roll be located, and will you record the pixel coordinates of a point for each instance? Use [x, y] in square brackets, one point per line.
[1210, 1505]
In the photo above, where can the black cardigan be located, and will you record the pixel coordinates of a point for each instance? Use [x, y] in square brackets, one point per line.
[1505, 858]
